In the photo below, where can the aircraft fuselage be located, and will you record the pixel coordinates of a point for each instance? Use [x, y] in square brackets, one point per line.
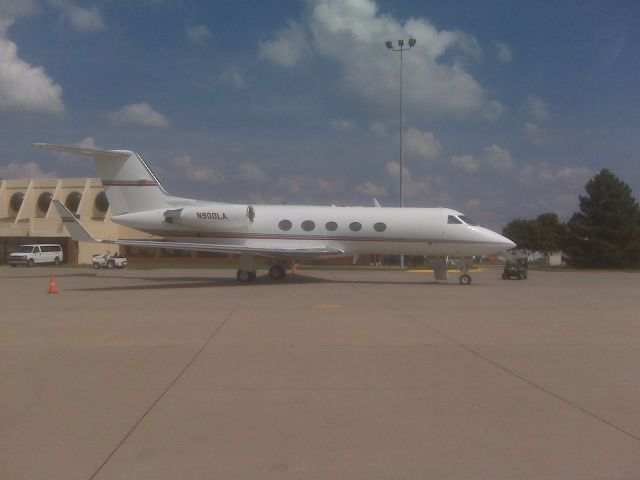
[354, 230]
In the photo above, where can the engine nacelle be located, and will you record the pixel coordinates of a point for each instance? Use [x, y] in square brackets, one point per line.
[212, 217]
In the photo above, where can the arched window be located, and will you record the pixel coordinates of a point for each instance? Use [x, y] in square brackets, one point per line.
[379, 227]
[331, 226]
[355, 226]
[285, 225]
[308, 225]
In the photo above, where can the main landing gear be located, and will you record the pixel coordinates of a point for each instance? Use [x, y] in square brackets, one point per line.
[246, 276]
[247, 271]
[277, 272]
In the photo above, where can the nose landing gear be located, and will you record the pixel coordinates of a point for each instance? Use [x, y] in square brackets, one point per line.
[465, 278]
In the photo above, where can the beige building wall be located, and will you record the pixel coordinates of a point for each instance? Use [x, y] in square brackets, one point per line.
[25, 219]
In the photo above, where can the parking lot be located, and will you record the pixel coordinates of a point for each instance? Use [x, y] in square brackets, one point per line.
[328, 374]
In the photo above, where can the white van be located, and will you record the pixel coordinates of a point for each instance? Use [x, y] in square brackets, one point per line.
[37, 253]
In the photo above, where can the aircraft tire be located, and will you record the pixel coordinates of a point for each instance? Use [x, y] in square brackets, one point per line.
[277, 272]
[245, 276]
[465, 279]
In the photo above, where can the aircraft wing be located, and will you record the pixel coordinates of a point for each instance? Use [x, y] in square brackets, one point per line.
[80, 234]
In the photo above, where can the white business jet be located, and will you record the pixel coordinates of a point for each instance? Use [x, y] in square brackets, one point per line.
[282, 233]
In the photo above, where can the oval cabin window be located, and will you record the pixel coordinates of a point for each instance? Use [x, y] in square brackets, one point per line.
[308, 225]
[331, 226]
[355, 226]
[284, 225]
[379, 227]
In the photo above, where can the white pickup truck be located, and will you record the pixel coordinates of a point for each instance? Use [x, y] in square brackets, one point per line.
[105, 260]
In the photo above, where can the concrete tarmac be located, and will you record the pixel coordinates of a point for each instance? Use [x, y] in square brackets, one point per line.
[184, 374]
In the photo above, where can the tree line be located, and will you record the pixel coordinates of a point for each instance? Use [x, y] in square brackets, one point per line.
[604, 233]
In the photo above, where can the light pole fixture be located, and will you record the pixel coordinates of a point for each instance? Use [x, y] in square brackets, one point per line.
[401, 48]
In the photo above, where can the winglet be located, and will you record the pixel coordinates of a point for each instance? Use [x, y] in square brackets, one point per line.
[75, 228]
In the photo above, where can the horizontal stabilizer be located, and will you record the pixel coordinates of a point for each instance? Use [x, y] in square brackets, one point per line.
[81, 150]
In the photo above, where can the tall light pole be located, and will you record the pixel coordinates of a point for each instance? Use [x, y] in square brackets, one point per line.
[401, 48]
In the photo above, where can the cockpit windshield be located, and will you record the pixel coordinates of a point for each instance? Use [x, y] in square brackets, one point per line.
[467, 220]
[452, 219]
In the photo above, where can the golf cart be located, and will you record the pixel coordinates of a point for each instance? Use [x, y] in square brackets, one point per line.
[514, 270]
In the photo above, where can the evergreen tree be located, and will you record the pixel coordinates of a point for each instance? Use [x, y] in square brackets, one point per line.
[544, 234]
[605, 233]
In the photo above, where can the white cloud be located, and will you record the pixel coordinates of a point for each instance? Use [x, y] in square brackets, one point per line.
[233, 78]
[139, 114]
[503, 52]
[18, 8]
[468, 163]
[493, 110]
[71, 160]
[412, 189]
[352, 33]
[197, 173]
[379, 128]
[422, 144]
[298, 184]
[393, 170]
[198, 34]
[497, 158]
[87, 142]
[83, 19]
[24, 88]
[342, 125]
[371, 189]
[251, 173]
[535, 134]
[543, 173]
[537, 108]
[287, 48]
[493, 158]
[24, 170]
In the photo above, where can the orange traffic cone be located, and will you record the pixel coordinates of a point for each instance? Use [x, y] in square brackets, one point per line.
[53, 288]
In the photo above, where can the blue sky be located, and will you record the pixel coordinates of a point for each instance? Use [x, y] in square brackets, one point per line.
[510, 107]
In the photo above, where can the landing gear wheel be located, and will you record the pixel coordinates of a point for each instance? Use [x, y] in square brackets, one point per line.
[277, 272]
[465, 279]
[245, 276]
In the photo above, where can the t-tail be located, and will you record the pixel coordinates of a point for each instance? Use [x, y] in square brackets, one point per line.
[129, 183]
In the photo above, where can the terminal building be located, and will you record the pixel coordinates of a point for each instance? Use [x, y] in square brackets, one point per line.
[27, 216]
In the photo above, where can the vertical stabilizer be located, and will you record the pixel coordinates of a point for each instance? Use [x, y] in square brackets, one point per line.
[128, 182]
